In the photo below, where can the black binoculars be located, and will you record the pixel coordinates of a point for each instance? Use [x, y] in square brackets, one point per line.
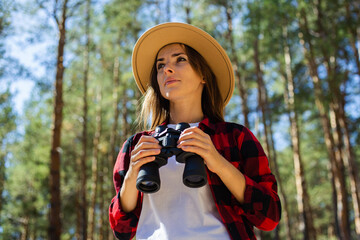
[194, 175]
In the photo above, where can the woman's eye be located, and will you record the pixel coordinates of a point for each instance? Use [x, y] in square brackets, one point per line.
[160, 65]
[181, 59]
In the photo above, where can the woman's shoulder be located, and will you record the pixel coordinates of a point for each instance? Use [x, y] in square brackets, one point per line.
[232, 129]
[229, 127]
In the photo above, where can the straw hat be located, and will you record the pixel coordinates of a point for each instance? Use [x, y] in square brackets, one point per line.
[148, 45]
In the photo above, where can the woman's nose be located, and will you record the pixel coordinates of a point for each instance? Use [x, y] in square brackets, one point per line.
[168, 69]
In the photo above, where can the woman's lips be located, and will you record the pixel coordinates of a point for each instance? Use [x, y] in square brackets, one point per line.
[170, 81]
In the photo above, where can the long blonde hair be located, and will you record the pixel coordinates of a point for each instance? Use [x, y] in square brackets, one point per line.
[157, 109]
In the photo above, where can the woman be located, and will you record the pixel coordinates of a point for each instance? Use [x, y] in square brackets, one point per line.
[187, 77]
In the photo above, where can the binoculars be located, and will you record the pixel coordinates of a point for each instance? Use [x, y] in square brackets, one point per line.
[194, 175]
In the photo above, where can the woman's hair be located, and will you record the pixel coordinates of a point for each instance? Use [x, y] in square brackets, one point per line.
[157, 109]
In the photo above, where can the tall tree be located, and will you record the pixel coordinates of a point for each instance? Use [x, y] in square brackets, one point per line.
[259, 37]
[334, 155]
[83, 165]
[95, 166]
[330, 35]
[116, 111]
[55, 200]
[306, 216]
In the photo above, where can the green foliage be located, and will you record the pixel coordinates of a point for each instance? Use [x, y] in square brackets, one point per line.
[27, 174]
[7, 115]
[7, 126]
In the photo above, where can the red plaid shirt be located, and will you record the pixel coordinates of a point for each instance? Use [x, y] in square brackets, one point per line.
[238, 145]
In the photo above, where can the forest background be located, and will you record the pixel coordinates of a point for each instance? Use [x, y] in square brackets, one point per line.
[297, 71]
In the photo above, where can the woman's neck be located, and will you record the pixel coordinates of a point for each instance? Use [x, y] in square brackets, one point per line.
[188, 113]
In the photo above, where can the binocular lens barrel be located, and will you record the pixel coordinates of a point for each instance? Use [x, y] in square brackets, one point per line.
[148, 180]
[194, 175]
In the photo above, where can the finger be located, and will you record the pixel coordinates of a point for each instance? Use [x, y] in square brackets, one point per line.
[192, 133]
[184, 145]
[146, 145]
[143, 153]
[192, 129]
[147, 139]
[146, 142]
[195, 136]
[137, 164]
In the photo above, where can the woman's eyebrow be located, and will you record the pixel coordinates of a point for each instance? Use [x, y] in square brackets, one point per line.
[173, 55]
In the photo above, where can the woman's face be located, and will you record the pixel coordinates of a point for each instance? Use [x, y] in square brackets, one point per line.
[176, 78]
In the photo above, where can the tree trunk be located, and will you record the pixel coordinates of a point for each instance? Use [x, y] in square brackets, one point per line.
[83, 174]
[25, 230]
[304, 207]
[263, 104]
[352, 166]
[114, 133]
[261, 94]
[236, 65]
[275, 168]
[187, 6]
[94, 168]
[334, 198]
[55, 200]
[339, 120]
[329, 140]
[340, 168]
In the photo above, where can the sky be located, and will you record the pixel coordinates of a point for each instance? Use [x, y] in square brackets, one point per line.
[21, 88]
[17, 47]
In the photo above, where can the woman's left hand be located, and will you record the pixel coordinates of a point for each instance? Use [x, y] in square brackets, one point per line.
[194, 140]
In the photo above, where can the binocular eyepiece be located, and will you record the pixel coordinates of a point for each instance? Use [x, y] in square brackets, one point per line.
[194, 175]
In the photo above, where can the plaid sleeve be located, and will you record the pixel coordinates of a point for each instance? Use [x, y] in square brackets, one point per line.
[123, 224]
[261, 204]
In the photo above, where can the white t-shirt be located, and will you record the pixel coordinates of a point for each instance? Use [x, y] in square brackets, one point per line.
[178, 212]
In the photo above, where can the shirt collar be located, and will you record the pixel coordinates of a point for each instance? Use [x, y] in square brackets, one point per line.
[206, 125]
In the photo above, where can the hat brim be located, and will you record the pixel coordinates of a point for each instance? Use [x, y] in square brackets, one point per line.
[148, 45]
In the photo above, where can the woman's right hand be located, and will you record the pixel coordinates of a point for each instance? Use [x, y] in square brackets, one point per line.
[143, 152]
